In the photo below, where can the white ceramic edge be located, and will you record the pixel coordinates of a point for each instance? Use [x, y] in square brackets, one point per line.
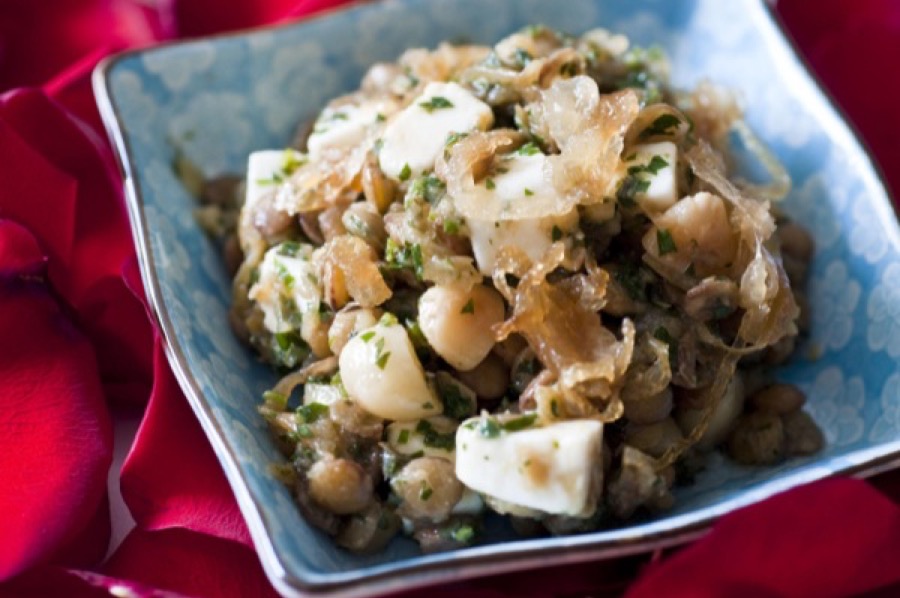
[494, 559]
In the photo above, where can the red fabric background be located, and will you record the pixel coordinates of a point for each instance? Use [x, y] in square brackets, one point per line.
[75, 338]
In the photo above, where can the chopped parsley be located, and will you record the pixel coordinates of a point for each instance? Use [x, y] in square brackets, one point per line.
[520, 423]
[367, 336]
[425, 491]
[529, 149]
[290, 162]
[653, 167]
[469, 307]
[405, 173]
[436, 103]
[430, 188]
[662, 125]
[275, 400]
[379, 118]
[528, 192]
[451, 226]
[288, 349]
[403, 437]
[289, 249]
[489, 184]
[462, 534]
[434, 439]
[456, 404]
[488, 428]
[312, 412]
[556, 234]
[405, 255]
[284, 275]
[382, 360]
[554, 408]
[630, 187]
[665, 242]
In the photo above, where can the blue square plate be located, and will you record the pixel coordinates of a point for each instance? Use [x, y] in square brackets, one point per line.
[219, 99]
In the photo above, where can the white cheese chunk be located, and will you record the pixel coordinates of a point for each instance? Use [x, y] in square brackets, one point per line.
[469, 504]
[288, 288]
[265, 169]
[551, 469]
[344, 128]
[415, 138]
[522, 179]
[380, 370]
[412, 437]
[657, 163]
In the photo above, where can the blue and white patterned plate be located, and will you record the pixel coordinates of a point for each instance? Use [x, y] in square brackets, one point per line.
[219, 99]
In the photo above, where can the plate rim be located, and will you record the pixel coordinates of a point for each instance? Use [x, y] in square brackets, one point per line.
[484, 560]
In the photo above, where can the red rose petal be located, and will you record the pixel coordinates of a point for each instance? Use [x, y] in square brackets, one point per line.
[41, 582]
[837, 537]
[90, 546]
[171, 477]
[852, 47]
[20, 254]
[189, 563]
[57, 437]
[42, 38]
[63, 187]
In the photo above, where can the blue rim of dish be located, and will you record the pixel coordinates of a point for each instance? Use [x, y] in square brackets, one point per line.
[496, 558]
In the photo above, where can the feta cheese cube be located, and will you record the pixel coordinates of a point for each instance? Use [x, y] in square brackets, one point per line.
[554, 469]
[522, 179]
[265, 169]
[656, 163]
[288, 288]
[415, 138]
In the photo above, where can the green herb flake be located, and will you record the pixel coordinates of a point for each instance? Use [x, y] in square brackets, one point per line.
[403, 437]
[289, 249]
[436, 103]
[379, 118]
[663, 125]
[434, 439]
[425, 492]
[284, 275]
[529, 149]
[388, 319]
[520, 423]
[628, 190]
[665, 242]
[489, 184]
[288, 349]
[291, 161]
[304, 431]
[488, 428]
[382, 360]
[556, 234]
[554, 408]
[456, 404]
[367, 336]
[405, 255]
[430, 188]
[312, 412]
[469, 307]
[463, 534]
[451, 227]
[405, 172]
[629, 276]
[275, 400]
[528, 192]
